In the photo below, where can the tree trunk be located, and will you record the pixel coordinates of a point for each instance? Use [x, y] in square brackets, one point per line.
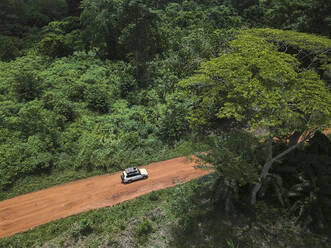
[264, 173]
[268, 164]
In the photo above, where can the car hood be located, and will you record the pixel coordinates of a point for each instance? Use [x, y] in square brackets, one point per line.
[143, 172]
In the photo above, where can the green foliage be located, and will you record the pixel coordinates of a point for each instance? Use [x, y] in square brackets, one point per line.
[76, 91]
[40, 12]
[312, 51]
[173, 124]
[53, 46]
[237, 158]
[24, 158]
[97, 98]
[61, 38]
[154, 196]
[231, 86]
[185, 206]
[20, 15]
[85, 226]
[49, 99]
[62, 107]
[255, 85]
[9, 48]
[26, 86]
[169, 26]
[35, 155]
[100, 30]
[13, 13]
[310, 42]
[231, 244]
[32, 119]
[302, 181]
[143, 230]
[64, 111]
[300, 15]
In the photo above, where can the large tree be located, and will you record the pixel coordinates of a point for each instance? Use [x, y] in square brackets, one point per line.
[122, 29]
[256, 84]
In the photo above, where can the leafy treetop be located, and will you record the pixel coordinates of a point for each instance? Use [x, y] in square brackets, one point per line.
[258, 85]
[301, 40]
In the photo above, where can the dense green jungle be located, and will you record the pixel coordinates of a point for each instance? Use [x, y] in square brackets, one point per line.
[89, 87]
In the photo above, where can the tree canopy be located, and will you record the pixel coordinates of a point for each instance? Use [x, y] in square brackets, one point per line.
[255, 83]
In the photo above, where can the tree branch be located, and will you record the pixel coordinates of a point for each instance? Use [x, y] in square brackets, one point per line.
[268, 164]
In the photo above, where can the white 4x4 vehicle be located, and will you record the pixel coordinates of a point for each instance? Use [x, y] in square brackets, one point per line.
[133, 174]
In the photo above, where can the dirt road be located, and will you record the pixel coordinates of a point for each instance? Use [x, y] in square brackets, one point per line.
[27, 211]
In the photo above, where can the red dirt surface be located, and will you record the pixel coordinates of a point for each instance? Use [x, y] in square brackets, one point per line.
[30, 210]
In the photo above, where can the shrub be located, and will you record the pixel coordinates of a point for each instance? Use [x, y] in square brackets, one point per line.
[97, 98]
[54, 45]
[76, 92]
[143, 230]
[154, 196]
[85, 226]
[49, 100]
[9, 48]
[26, 86]
[65, 111]
[185, 205]
[173, 122]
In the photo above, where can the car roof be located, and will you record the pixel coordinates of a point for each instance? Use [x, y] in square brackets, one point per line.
[131, 170]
